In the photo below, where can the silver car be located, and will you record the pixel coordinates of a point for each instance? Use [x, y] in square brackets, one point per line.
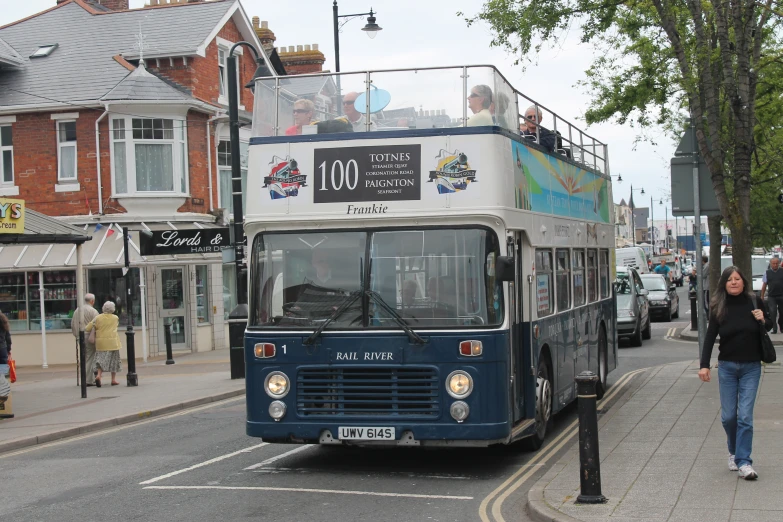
[633, 309]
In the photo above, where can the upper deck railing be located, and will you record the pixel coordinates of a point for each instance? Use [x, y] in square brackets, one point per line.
[424, 98]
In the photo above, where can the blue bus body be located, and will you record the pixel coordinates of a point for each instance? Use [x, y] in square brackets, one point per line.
[327, 359]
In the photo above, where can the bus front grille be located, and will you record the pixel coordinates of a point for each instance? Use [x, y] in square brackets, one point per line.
[398, 392]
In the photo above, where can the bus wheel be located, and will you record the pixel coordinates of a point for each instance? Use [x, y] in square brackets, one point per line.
[543, 406]
[603, 367]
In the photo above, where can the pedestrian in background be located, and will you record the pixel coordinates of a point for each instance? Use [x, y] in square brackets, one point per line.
[5, 348]
[773, 280]
[736, 318]
[107, 343]
[88, 314]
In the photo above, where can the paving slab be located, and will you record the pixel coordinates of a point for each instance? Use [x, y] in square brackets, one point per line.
[48, 404]
[666, 460]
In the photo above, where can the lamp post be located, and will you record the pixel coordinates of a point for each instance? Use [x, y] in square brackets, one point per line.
[633, 222]
[238, 316]
[371, 28]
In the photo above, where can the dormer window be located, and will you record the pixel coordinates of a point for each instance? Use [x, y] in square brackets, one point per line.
[44, 50]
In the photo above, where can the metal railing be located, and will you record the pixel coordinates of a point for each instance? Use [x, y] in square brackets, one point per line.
[415, 98]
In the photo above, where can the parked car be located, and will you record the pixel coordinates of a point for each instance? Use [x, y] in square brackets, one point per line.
[633, 310]
[664, 301]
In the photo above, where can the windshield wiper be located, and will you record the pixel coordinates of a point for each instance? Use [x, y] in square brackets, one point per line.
[413, 336]
[354, 296]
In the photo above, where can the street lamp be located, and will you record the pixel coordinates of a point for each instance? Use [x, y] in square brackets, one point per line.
[239, 314]
[619, 178]
[371, 28]
[633, 223]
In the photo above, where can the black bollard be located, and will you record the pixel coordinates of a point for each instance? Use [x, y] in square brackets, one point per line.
[133, 379]
[82, 364]
[694, 315]
[167, 336]
[589, 459]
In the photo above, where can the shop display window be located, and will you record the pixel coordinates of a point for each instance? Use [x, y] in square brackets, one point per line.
[108, 284]
[59, 299]
[202, 294]
[13, 300]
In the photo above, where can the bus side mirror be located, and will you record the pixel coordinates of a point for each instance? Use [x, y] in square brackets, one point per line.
[504, 268]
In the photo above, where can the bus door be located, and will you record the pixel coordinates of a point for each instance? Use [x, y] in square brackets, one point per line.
[518, 343]
[590, 315]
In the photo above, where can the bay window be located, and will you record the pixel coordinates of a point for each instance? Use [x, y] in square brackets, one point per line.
[149, 155]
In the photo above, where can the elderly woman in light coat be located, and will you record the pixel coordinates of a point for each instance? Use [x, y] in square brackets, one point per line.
[107, 343]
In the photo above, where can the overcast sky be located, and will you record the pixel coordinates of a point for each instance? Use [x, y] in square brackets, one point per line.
[419, 33]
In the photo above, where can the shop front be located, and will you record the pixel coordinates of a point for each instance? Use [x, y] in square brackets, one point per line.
[38, 293]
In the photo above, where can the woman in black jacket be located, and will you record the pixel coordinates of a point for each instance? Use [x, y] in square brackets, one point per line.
[737, 318]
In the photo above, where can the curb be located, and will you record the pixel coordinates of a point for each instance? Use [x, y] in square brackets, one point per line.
[537, 507]
[26, 442]
[694, 338]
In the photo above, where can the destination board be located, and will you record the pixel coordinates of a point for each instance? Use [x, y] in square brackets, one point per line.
[382, 173]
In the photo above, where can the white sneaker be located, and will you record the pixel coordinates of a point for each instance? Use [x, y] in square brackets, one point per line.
[748, 473]
[732, 464]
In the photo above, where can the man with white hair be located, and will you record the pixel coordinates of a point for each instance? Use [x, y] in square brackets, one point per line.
[88, 314]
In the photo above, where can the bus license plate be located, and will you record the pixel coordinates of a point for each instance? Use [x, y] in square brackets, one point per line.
[354, 433]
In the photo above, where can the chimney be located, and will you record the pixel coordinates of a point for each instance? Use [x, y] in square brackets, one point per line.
[264, 34]
[114, 5]
[302, 59]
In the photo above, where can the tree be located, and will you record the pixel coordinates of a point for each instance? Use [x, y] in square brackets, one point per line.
[657, 56]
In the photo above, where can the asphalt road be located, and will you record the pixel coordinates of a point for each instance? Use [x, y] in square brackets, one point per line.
[198, 465]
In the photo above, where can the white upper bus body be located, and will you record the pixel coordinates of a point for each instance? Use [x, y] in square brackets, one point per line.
[434, 177]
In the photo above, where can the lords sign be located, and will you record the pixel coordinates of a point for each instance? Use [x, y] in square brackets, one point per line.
[193, 241]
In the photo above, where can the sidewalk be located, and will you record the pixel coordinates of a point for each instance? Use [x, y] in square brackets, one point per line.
[663, 457]
[693, 335]
[48, 405]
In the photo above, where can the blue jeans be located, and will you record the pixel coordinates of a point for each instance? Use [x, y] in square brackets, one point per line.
[739, 382]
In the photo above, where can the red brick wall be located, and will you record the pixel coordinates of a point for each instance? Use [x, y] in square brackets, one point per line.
[115, 5]
[198, 165]
[201, 75]
[35, 164]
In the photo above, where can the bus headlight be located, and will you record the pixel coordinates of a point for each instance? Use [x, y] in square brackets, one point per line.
[277, 410]
[459, 411]
[459, 384]
[276, 385]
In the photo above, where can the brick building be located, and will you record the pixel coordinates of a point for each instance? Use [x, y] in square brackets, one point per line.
[112, 117]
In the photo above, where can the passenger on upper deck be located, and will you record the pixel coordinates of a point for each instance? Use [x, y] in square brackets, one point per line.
[354, 117]
[479, 100]
[303, 115]
[546, 138]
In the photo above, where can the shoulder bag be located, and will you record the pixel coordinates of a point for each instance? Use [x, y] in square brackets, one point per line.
[768, 354]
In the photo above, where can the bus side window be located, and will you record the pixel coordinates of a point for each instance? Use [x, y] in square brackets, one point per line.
[545, 306]
[604, 273]
[592, 275]
[563, 283]
[579, 277]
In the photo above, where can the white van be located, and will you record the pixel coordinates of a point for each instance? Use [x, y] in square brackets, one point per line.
[633, 257]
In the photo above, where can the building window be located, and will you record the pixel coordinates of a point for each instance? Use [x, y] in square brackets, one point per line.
[223, 50]
[66, 151]
[579, 277]
[202, 293]
[563, 280]
[149, 155]
[229, 289]
[7, 153]
[544, 282]
[224, 171]
[108, 284]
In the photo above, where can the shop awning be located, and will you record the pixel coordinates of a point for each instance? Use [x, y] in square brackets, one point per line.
[42, 229]
[105, 249]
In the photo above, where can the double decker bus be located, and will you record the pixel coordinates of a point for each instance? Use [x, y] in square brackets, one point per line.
[421, 276]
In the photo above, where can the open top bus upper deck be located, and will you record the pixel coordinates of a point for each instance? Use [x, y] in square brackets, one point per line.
[463, 154]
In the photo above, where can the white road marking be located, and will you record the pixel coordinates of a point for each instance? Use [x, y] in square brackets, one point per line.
[409, 474]
[543, 455]
[307, 490]
[279, 457]
[205, 463]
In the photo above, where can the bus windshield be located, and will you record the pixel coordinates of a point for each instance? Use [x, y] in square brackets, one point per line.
[428, 278]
